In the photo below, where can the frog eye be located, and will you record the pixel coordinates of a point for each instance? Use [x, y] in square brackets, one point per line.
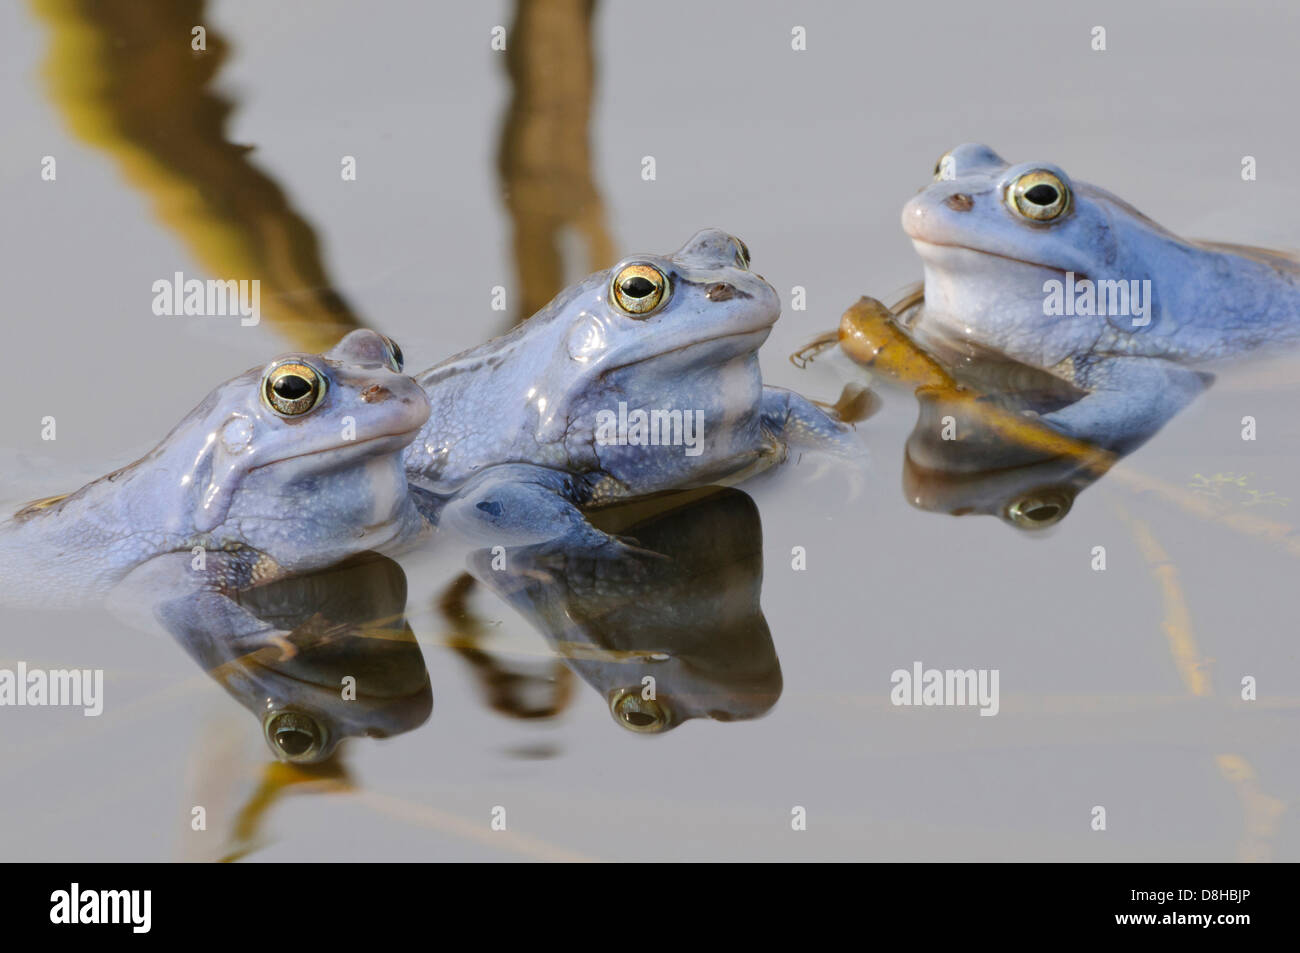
[1039, 196]
[292, 388]
[744, 253]
[639, 290]
[642, 715]
[945, 168]
[396, 359]
[294, 736]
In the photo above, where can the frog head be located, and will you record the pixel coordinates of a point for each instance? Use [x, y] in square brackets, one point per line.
[300, 459]
[699, 304]
[654, 328]
[991, 235]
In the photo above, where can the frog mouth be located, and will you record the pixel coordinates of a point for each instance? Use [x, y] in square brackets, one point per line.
[761, 333]
[400, 440]
[930, 251]
[766, 329]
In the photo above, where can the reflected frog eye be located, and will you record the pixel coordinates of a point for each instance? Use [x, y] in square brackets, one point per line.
[1041, 508]
[943, 168]
[639, 290]
[642, 715]
[294, 736]
[1039, 196]
[292, 388]
[396, 359]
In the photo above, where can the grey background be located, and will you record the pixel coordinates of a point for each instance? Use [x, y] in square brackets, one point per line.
[808, 156]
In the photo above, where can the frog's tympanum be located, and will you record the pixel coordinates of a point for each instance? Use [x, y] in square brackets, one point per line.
[316, 658]
[288, 467]
[663, 639]
[1063, 276]
[639, 379]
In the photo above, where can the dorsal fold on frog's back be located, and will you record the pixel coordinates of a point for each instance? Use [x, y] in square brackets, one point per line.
[1287, 263]
[30, 509]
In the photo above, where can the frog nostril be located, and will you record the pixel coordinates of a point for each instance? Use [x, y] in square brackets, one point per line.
[375, 394]
[721, 291]
[959, 202]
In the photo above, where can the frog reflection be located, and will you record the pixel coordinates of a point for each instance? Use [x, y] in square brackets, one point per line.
[316, 658]
[979, 444]
[954, 463]
[666, 634]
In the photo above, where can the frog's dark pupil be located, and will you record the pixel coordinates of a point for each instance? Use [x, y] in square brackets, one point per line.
[638, 718]
[637, 287]
[293, 741]
[291, 387]
[1041, 512]
[1041, 195]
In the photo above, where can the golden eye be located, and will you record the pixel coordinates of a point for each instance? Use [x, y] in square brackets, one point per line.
[631, 711]
[396, 359]
[1039, 196]
[639, 290]
[943, 168]
[292, 388]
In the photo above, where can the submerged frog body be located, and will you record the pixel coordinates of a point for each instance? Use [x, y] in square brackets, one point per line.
[1064, 276]
[284, 468]
[282, 649]
[640, 379]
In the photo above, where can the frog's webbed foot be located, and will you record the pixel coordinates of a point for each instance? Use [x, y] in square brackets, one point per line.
[1130, 399]
[855, 404]
[801, 424]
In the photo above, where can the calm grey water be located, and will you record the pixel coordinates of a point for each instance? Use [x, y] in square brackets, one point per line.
[808, 156]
